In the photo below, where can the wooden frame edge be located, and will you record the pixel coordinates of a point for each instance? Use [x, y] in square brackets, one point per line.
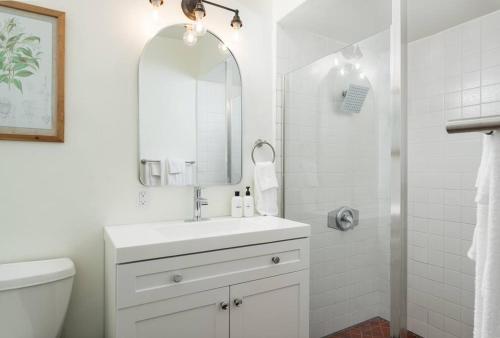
[60, 76]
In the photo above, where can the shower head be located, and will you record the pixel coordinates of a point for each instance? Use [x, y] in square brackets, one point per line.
[354, 98]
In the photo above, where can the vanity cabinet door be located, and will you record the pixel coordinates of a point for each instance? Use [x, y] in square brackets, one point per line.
[203, 314]
[276, 307]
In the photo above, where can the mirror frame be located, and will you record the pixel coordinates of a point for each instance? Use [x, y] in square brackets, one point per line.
[139, 114]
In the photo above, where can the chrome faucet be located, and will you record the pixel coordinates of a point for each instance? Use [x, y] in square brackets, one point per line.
[198, 203]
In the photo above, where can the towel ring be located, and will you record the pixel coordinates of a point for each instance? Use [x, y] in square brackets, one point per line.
[258, 144]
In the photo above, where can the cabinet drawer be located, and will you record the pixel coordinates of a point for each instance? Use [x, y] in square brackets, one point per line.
[150, 281]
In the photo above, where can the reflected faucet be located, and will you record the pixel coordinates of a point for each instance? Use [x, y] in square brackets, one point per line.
[198, 203]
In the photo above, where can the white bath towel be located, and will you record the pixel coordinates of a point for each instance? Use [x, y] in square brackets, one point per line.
[266, 189]
[176, 172]
[485, 248]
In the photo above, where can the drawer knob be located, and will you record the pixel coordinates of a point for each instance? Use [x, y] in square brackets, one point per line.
[276, 260]
[238, 302]
[177, 278]
[224, 306]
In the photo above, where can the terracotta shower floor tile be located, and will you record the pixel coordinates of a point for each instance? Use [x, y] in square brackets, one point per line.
[372, 328]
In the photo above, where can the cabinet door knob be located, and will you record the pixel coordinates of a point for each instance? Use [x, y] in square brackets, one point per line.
[177, 278]
[224, 306]
[276, 260]
[238, 302]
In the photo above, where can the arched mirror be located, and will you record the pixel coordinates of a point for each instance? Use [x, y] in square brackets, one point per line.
[190, 111]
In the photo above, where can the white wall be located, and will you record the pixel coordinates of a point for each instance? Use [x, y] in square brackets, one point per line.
[282, 8]
[453, 74]
[212, 135]
[56, 198]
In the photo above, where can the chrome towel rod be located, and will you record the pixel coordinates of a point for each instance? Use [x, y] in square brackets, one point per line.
[156, 161]
[478, 124]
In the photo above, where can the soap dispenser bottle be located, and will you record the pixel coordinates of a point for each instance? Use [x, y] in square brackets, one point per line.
[248, 204]
[237, 205]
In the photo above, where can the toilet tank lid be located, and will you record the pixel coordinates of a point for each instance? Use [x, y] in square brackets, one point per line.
[24, 274]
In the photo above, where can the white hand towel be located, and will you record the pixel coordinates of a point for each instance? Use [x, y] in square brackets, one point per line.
[176, 166]
[486, 244]
[176, 172]
[155, 168]
[152, 173]
[266, 189]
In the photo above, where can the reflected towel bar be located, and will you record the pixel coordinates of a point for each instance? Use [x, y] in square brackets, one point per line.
[155, 161]
[481, 124]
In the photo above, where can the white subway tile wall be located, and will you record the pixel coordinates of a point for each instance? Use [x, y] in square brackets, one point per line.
[335, 159]
[452, 74]
[211, 135]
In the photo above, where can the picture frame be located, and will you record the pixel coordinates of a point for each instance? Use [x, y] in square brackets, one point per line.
[32, 65]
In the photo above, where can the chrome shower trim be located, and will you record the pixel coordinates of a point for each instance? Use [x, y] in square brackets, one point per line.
[399, 168]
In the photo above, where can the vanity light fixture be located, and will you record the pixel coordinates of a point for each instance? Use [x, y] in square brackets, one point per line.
[195, 10]
[156, 3]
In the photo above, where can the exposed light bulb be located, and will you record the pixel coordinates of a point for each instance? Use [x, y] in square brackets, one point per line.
[155, 15]
[236, 35]
[357, 66]
[342, 72]
[190, 37]
[362, 76]
[236, 24]
[199, 13]
[200, 28]
[336, 62]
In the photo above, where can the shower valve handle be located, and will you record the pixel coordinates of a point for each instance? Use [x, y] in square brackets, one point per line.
[343, 219]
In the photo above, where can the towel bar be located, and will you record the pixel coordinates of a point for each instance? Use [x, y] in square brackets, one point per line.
[258, 144]
[155, 161]
[481, 124]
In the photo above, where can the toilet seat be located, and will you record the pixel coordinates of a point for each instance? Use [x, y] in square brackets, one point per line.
[24, 274]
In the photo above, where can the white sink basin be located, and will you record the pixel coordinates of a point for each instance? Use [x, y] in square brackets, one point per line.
[136, 242]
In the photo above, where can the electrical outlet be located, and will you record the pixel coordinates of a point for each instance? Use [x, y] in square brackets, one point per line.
[143, 199]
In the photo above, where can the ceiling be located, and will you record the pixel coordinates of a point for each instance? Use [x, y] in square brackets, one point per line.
[350, 21]
[346, 21]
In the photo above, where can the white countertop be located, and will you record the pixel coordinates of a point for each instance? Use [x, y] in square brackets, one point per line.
[137, 242]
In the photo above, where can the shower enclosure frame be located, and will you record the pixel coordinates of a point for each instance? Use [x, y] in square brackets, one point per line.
[399, 164]
[399, 177]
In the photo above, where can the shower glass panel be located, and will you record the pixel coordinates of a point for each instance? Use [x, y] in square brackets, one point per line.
[337, 153]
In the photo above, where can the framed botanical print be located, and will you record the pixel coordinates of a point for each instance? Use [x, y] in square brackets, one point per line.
[31, 73]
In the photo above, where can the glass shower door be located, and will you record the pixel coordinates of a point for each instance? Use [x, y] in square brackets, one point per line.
[338, 162]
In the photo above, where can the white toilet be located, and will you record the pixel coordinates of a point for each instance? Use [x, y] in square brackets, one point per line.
[34, 297]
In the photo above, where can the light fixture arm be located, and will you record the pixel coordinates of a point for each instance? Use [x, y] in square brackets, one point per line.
[188, 7]
[235, 11]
